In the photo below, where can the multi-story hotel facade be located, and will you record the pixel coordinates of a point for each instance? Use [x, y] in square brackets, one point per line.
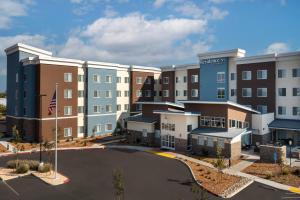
[225, 97]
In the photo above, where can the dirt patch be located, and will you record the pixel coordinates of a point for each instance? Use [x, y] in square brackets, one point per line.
[212, 180]
[286, 175]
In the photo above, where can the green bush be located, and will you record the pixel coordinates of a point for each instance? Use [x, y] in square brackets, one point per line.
[45, 168]
[269, 174]
[297, 172]
[285, 171]
[22, 168]
[33, 164]
[11, 164]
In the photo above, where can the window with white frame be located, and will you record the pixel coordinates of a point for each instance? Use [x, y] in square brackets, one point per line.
[80, 129]
[194, 92]
[282, 92]
[108, 127]
[157, 133]
[232, 76]
[200, 140]
[139, 93]
[119, 93]
[177, 93]
[262, 92]
[262, 108]
[296, 72]
[80, 78]
[126, 106]
[80, 109]
[281, 110]
[96, 78]
[148, 81]
[262, 74]
[246, 75]
[126, 79]
[108, 108]
[220, 77]
[97, 128]
[68, 93]
[296, 92]
[108, 79]
[210, 142]
[296, 111]
[126, 93]
[68, 132]
[118, 79]
[281, 73]
[80, 93]
[185, 93]
[68, 77]
[221, 93]
[97, 93]
[194, 78]
[139, 80]
[108, 94]
[165, 93]
[166, 80]
[246, 92]
[232, 92]
[184, 79]
[118, 107]
[177, 79]
[148, 93]
[97, 109]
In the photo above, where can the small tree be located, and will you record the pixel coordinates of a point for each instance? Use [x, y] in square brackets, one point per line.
[2, 109]
[17, 140]
[48, 146]
[118, 183]
[220, 162]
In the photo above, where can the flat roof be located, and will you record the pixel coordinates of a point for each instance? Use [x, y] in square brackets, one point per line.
[256, 59]
[27, 48]
[219, 54]
[142, 118]
[285, 124]
[160, 103]
[219, 132]
[173, 112]
[221, 103]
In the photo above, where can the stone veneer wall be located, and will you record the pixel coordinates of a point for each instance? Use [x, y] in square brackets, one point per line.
[267, 153]
[136, 137]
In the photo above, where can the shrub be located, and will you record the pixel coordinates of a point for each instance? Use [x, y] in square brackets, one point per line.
[45, 168]
[11, 164]
[285, 171]
[33, 164]
[22, 168]
[269, 174]
[297, 172]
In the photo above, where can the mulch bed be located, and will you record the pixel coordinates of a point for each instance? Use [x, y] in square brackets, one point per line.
[2, 149]
[213, 180]
[274, 172]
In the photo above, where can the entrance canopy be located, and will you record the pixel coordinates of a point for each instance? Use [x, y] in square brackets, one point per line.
[285, 124]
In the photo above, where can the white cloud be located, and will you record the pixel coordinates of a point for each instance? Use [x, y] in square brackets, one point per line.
[133, 39]
[190, 9]
[76, 1]
[159, 3]
[277, 47]
[220, 1]
[10, 9]
[110, 12]
[217, 14]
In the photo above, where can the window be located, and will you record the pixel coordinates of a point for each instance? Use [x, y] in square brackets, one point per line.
[80, 129]
[24, 94]
[139, 107]
[148, 93]
[80, 109]
[139, 93]
[67, 132]
[16, 93]
[210, 142]
[96, 93]
[246, 75]
[200, 140]
[221, 93]
[177, 93]
[24, 111]
[97, 128]
[108, 108]
[246, 92]
[262, 92]
[232, 92]
[80, 78]
[262, 108]
[118, 107]
[119, 93]
[126, 79]
[139, 80]
[126, 107]
[145, 134]
[165, 93]
[189, 128]
[296, 111]
[194, 78]
[262, 74]
[17, 77]
[184, 79]
[68, 77]
[296, 72]
[157, 134]
[160, 93]
[97, 109]
[185, 93]
[221, 142]
[194, 92]
[108, 127]
[220, 77]
[281, 110]
[68, 110]
[155, 93]
[166, 80]
[282, 92]
[296, 92]
[96, 78]
[232, 123]
[25, 77]
[208, 121]
[118, 79]
[80, 93]
[232, 76]
[177, 79]
[108, 94]
[126, 93]
[108, 79]
[148, 81]
[281, 73]
[68, 94]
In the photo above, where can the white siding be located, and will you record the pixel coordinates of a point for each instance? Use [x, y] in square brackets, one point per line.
[140, 126]
[180, 86]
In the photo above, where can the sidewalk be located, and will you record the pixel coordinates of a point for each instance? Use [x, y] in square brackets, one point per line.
[245, 163]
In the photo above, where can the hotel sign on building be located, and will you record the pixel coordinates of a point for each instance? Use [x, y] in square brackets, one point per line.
[213, 61]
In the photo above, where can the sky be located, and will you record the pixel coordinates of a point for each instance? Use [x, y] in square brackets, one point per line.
[148, 32]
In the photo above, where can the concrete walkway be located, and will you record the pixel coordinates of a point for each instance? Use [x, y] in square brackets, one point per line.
[245, 163]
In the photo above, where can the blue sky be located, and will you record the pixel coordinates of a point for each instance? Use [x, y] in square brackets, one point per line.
[148, 32]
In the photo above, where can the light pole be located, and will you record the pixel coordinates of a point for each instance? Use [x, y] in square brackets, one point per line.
[290, 143]
[41, 115]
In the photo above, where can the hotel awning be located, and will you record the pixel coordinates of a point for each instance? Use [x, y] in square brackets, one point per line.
[285, 124]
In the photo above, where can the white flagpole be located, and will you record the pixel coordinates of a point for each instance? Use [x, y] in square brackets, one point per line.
[56, 94]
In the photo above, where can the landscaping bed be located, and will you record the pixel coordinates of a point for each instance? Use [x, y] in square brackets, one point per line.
[214, 181]
[282, 174]
[3, 149]
[24, 146]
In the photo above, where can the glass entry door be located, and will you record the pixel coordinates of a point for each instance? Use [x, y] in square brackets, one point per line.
[168, 142]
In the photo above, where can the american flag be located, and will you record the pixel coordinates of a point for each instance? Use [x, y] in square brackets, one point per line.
[52, 104]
